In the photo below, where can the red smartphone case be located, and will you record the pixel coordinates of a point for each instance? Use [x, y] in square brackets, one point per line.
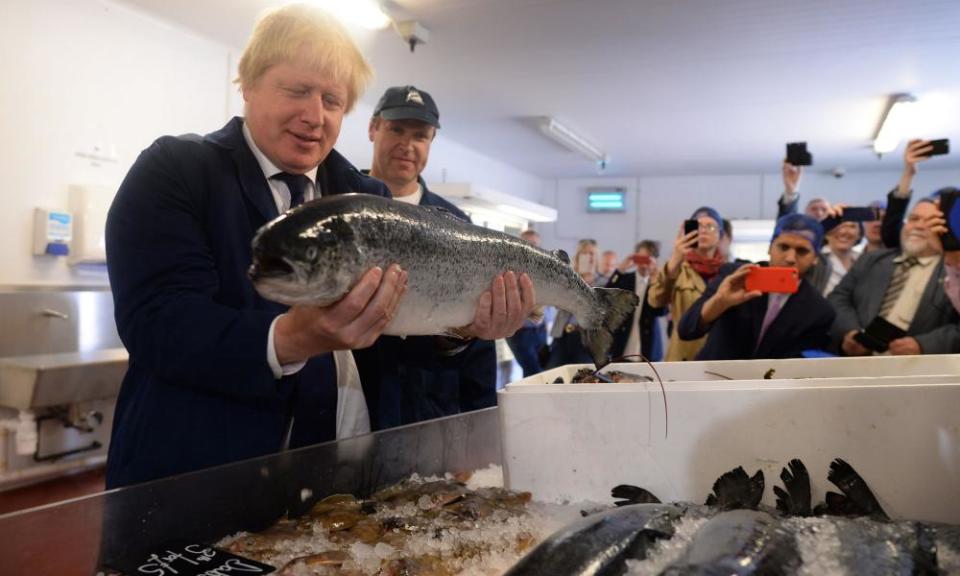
[773, 279]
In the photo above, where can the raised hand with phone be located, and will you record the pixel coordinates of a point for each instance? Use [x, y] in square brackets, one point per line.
[915, 153]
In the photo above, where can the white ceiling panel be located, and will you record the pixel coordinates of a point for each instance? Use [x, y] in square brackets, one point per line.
[666, 87]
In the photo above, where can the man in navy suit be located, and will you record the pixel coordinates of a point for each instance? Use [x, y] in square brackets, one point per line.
[420, 377]
[216, 373]
[746, 324]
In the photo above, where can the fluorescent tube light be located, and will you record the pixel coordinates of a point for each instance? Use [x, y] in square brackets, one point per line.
[365, 13]
[569, 139]
[897, 119]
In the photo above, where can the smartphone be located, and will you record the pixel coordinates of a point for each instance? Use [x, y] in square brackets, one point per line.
[878, 335]
[773, 279]
[939, 147]
[691, 226]
[861, 214]
[951, 213]
[641, 260]
[797, 154]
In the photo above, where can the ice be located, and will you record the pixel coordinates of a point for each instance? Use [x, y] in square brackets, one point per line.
[489, 477]
[668, 550]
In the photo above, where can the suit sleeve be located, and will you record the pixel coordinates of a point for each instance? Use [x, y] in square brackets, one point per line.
[786, 208]
[942, 340]
[841, 298]
[164, 280]
[893, 217]
[817, 337]
[691, 327]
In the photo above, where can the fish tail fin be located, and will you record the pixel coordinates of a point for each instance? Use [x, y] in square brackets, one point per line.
[616, 306]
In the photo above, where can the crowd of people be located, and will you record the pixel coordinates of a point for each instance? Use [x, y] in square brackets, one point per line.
[217, 373]
[852, 273]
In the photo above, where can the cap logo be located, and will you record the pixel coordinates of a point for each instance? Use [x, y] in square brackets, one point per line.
[414, 96]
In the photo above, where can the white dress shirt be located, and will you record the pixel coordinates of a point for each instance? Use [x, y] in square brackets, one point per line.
[634, 341]
[353, 418]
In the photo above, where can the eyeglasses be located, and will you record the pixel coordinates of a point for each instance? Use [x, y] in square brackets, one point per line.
[708, 228]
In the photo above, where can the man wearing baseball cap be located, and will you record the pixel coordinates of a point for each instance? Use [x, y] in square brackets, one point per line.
[420, 377]
[746, 324]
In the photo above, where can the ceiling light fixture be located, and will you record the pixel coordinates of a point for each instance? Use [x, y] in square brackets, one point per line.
[570, 140]
[365, 13]
[897, 118]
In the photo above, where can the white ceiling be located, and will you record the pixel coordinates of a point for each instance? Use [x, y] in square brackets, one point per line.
[665, 87]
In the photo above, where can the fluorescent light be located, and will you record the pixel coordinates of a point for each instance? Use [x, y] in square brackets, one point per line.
[896, 121]
[569, 139]
[365, 13]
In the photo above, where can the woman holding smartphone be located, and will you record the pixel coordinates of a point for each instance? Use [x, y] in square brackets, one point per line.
[696, 259]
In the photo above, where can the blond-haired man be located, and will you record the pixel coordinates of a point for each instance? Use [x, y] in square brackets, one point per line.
[216, 372]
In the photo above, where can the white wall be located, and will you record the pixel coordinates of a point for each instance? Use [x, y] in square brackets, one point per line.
[657, 205]
[79, 74]
[450, 161]
[86, 73]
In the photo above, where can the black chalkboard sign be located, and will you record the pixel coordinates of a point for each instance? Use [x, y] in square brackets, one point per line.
[192, 559]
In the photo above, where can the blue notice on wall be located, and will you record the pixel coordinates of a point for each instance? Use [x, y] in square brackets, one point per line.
[606, 200]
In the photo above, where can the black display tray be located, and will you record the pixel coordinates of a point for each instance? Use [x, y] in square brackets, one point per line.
[118, 528]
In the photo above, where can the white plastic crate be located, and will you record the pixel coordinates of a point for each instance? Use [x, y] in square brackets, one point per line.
[899, 429]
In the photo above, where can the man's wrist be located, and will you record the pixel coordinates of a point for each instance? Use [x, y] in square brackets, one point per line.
[711, 310]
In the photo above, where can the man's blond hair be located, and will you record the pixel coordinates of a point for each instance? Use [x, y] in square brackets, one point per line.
[296, 31]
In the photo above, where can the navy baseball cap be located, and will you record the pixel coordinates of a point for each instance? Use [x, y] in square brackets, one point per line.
[408, 103]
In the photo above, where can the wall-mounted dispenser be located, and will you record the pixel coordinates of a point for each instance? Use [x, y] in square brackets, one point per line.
[89, 204]
[52, 232]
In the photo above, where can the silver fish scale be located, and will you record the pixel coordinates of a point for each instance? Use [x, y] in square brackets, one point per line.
[450, 262]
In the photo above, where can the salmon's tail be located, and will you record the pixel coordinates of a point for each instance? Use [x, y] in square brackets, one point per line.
[616, 306]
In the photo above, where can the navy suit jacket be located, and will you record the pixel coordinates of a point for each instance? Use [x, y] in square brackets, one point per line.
[415, 381]
[650, 345]
[802, 324]
[198, 390]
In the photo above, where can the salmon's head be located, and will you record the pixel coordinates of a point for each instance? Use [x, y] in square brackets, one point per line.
[306, 256]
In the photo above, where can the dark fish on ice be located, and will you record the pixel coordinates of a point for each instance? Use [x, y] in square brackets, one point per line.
[316, 253]
[856, 498]
[601, 543]
[794, 499]
[735, 490]
[739, 542]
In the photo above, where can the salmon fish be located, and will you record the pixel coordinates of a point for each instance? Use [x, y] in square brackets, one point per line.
[315, 253]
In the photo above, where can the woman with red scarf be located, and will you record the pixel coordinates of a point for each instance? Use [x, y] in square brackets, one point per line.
[695, 261]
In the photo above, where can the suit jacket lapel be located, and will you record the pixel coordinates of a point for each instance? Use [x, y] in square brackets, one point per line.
[931, 302]
[252, 179]
[875, 291]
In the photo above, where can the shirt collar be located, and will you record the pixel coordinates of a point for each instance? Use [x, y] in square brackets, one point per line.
[923, 261]
[412, 198]
[269, 168]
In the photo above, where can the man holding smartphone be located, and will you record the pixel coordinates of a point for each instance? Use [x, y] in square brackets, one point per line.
[641, 335]
[916, 152]
[744, 324]
[904, 289]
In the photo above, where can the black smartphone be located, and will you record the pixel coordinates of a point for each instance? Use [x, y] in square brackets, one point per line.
[939, 147]
[691, 226]
[797, 154]
[861, 214]
[879, 334]
[951, 213]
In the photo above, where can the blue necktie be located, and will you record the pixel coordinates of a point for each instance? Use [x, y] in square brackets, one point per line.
[296, 184]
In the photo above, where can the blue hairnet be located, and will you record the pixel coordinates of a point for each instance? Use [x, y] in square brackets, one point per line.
[709, 213]
[804, 226]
